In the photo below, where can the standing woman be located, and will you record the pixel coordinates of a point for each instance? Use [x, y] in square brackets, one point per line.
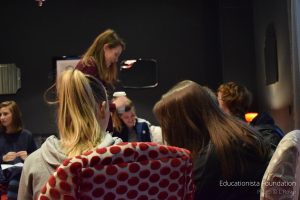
[16, 144]
[229, 157]
[100, 61]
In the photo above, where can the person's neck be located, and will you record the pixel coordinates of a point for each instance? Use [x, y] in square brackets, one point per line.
[131, 128]
[9, 130]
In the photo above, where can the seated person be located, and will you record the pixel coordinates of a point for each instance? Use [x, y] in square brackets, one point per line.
[16, 144]
[265, 124]
[82, 118]
[236, 100]
[128, 126]
[229, 156]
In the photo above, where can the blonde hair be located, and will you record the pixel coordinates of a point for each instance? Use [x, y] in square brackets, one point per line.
[190, 118]
[96, 53]
[79, 99]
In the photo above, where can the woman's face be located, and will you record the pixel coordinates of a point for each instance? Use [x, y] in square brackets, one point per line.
[112, 54]
[128, 118]
[5, 117]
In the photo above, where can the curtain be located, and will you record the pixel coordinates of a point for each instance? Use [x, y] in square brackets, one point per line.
[294, 24]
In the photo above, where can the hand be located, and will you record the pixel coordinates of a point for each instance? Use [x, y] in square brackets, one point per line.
[121, 103]
[22, 154]
[10, 156]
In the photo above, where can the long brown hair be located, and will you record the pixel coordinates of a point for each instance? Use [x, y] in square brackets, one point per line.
[190, 118]
[95, 53]
[17, 124]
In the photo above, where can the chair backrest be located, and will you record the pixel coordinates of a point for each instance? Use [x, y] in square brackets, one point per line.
[137, 170]
[282, 177]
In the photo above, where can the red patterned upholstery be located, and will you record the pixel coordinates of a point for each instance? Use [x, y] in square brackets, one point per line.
[138, 170]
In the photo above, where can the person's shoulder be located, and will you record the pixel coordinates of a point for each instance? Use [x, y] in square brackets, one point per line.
[140, 120]
[33, 157]
[80, 65]
[52, 141]
[143, 125]
[90, 64]
[88, 69]
[109, 140]
[26, 131]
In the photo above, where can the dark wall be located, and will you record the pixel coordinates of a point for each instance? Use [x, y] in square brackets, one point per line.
[276, 98]
[237, 42]
[183, 36]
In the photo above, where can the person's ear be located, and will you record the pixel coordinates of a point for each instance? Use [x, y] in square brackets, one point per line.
[106, 47]
[103, 109]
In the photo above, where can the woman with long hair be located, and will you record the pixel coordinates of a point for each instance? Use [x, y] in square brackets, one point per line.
[82, 118]
[229, 156]
[100, 60]
[16, 144]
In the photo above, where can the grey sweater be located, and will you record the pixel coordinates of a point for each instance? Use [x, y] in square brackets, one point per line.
[42, 163]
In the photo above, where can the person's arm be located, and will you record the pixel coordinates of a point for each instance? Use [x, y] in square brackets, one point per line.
[156, 134]
[26, 183]
[2, 153]
[10, 156]
[31, 144]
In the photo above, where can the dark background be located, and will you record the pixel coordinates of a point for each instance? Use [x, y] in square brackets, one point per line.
[208, 41]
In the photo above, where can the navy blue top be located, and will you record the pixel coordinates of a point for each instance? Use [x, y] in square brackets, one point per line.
[20, 141]
[141, 129]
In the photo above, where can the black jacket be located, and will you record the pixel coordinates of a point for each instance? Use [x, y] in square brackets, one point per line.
[265, 125]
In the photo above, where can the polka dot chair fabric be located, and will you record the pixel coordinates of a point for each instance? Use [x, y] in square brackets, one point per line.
[137, 170]
[282, 177]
